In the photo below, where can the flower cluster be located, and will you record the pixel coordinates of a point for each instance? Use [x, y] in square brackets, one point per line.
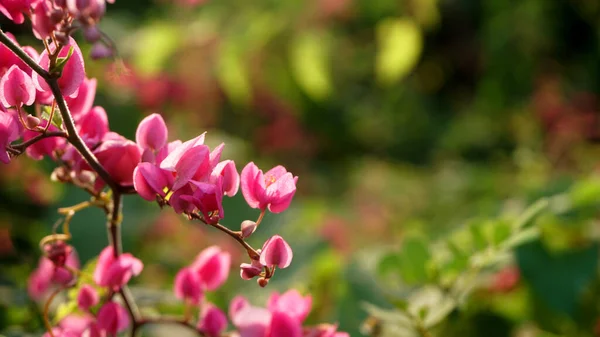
[47, 101]
[58, 19]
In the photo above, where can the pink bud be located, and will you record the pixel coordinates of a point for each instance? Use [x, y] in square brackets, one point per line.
[276, 252]
[92, 33]
[42, 21]
[248, 227]
[9, 132]
[212, 266]
[237, 303]
[119, 157]
[73, 72]
[16, 88]
[87, 297]
[152, 133]
[14, 9]
[249, 271]
[273, 190]
[112, 318]
[32, 121]
[93, 125]
[58, 252]
[188, 286]
[76, 323]
[231, 178]
[101, 51]
[252, 321]
[115, 272]
[212, 320]
[292, 303]
[83, 102]
[282, 324]
[38, 283]
[87, 10]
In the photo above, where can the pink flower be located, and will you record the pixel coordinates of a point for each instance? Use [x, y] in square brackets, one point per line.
[42, 22]
[273, 190]
[212, 266]
[283, 324]
[93, 125]
[237, 303]
[87, 297]
[9, 132]
[115, 272]
[76, 323]
[212, 320]
[188, 286]
[83, 102]
[149, 181]
[16, 88]
[187, 160]
[58, 332]
[73, 72]
[44, 147]
[112, 318]
[119, 157]
[208, 199]
[87, 10]
[276, 252]
[252, 321]
[14, 9]
[231, 179]
[292, 303]
[152, 133]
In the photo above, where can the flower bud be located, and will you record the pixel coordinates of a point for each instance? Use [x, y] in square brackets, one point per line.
[212, 266]
[32, 121]
[248, 227]
[250, 271]
[16, 88]
[92, 33]
[276, 252]
[212, 321]
[187, 286]
[101, 51]
[87, 297]
[58, 252]
[262, 282]
[112, 318]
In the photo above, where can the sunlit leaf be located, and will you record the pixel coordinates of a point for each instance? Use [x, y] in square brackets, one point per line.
[413, 259]
[309, 54]
[399, 43]
[232, 73]
[156, 43]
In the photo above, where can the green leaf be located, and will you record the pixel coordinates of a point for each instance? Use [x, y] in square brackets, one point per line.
[431, 305]
[56, 118]
[233, 73]
[501, 232]
[413, 259]
[521, 237]
[563, 276]
[400, 43]
[585, 193]
[309, 54]
[61, 62]
[65, 309]
[479, 240]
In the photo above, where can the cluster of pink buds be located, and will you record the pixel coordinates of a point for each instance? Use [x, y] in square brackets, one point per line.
[57, 19]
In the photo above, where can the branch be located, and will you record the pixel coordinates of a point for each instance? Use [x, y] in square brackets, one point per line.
[252, 253]
[24, 145]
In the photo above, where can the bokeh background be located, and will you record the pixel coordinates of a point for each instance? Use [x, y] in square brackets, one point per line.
[400, 117]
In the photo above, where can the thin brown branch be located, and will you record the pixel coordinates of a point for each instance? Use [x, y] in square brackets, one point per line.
[24, 145]
[252, 253]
